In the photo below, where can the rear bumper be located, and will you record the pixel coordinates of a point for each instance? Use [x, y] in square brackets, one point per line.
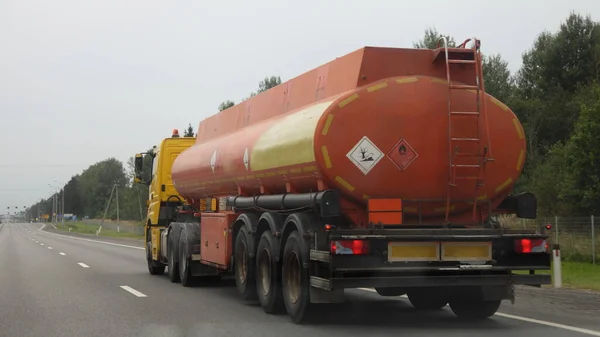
[382, 266]
[428, 281]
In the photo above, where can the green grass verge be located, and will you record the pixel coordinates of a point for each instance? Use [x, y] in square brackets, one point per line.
[83, 228]
[578, 275]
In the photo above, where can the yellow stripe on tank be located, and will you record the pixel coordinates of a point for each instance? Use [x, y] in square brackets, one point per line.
[406, 80]
[498, 103]
[518, 127]
[348, 100]
[344, 183]
[290, 141]
[520, 161]
[377, 87]
[327, 125]
[326, 157]
[504, 185]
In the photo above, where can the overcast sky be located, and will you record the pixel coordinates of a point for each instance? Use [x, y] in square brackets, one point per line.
[82, 81]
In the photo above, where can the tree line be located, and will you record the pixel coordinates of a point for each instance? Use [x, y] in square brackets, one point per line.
[555, 94]
[88, 193]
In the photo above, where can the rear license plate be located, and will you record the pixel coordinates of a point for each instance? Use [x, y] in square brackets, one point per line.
[413, 251]
[466, 251]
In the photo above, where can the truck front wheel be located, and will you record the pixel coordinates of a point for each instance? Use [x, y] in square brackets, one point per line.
[294, 279]
[268, 280]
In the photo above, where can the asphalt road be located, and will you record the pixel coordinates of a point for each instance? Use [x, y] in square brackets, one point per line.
[56, 285]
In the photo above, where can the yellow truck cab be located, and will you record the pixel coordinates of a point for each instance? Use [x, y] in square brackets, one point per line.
[164, 202]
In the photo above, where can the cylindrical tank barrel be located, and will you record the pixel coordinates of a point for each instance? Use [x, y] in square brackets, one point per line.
[387, 139]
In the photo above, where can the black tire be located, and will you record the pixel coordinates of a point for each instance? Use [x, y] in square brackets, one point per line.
[294, 280]
[244, 266]
[268, 275]
[185, 261]
[154, 268]
[172, 266]
[393, 291]
[427, 299]
[474, 309]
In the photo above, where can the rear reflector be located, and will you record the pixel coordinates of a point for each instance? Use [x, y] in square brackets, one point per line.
[531, 246]
[350, 247]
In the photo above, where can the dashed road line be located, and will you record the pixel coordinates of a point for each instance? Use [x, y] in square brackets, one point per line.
[83, 265]
[61, 253]
[49, 247]
[95, 241]
[133, 291]
[41, 244]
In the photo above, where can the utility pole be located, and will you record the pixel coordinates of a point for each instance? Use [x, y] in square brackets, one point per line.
[63, 207]
[117, 193]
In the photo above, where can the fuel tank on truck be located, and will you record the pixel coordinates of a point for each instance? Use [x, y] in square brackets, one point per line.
[384, 138]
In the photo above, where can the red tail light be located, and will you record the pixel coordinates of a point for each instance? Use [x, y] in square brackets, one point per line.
[351, 247]
[531, 246]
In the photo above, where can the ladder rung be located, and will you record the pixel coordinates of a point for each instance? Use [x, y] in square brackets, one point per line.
[465, 139]
[466, 165]
[464, 113]
[467, 178]
[463, 86]
[468, 155]
[461, 61]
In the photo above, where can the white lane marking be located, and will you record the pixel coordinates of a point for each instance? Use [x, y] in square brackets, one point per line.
[530, 320]
[133, 291]
[43, 227]
[83, 265]
[63, 254]
[102, 242]
[554, 325]
[54, 227]
[36, 241]
[49, 247]
[41, 244]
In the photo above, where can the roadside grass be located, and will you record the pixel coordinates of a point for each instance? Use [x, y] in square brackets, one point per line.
[577, 275]
[84, 228]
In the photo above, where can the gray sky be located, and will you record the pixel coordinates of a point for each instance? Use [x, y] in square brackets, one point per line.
[81, 81]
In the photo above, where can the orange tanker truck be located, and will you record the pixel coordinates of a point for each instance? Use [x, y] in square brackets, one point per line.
[385, 168]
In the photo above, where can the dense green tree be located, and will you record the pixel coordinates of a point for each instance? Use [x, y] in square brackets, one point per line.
[226, 105]
[189, 132]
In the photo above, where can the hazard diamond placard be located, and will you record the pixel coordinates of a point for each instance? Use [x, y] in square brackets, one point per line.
[402, 154]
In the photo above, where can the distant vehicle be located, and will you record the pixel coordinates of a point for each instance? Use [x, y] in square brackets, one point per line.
[384, 168]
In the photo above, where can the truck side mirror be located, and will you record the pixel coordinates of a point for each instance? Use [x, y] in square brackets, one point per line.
[138, 167]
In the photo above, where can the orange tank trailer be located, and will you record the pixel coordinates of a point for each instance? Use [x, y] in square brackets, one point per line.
[307, 134]
[369, 171]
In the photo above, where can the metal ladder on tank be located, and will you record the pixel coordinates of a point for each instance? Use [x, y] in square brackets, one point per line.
[465, 160]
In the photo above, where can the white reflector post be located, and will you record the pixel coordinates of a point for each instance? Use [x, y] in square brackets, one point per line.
[557, 267]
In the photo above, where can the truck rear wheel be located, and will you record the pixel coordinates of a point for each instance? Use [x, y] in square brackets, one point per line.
[268, 279]
[172, 266]
[474, 308]
[294, 280]
[154, 268]
[244, 266]
[427, 298]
